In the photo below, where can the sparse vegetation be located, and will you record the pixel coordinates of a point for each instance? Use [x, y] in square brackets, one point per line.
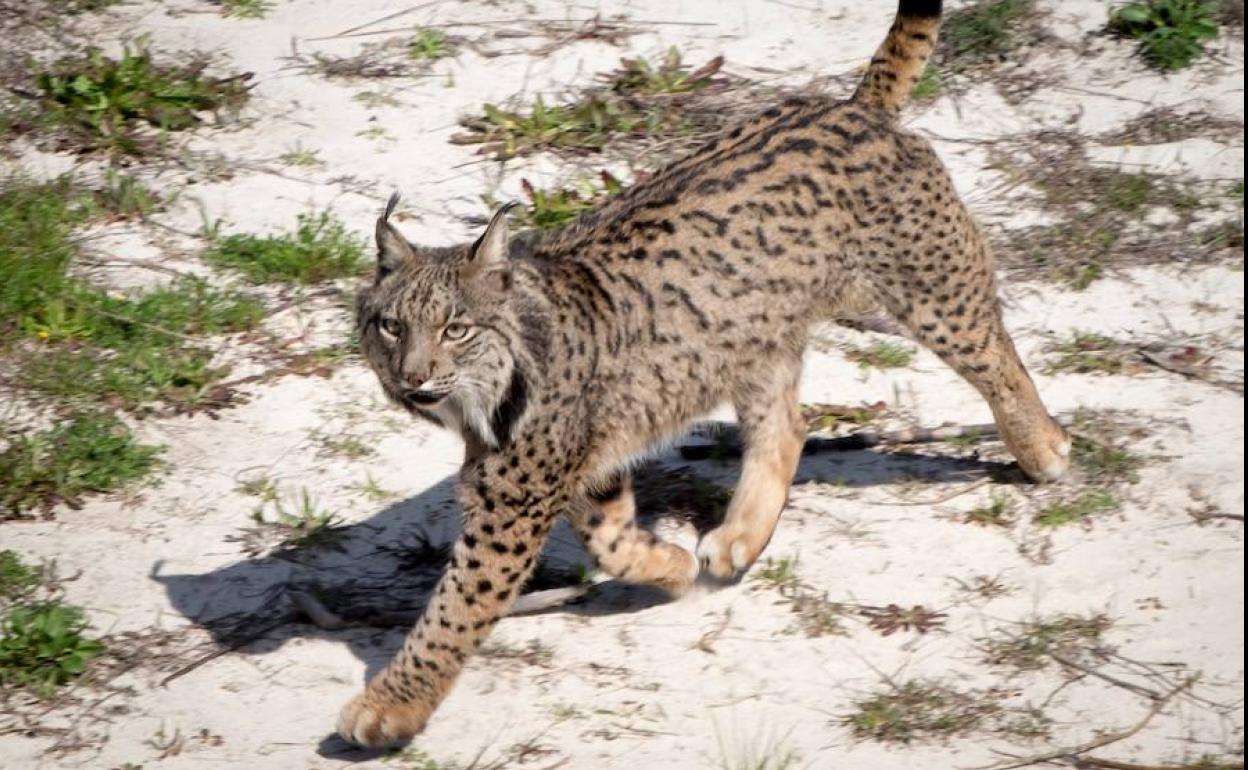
[979, 31]
[1032, 645]
[43, 644]
[87, 453]
[1171, 33]
[533, 653]
[553, 208]
[113, 104]
[1077, 509]
[920, 710]
[300, 156]
[429, 45]
[816, 615]
[928, 86]
[882, 354]
[319, 249]
[17, 580]
[1088, 353]
[1103, 463]
[757, 750]
[640, 99]
[245, 9]
[831, 416]
[297, 522]
[999, 511]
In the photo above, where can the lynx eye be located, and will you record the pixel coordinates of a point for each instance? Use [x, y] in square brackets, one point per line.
[455, 331]
[391, 326]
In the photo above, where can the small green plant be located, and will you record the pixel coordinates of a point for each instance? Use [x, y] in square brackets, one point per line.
[1076, 509]
[554, 208]
[295, 523]
[980, 30]
[346, 446]
[919, 710]
[831, 416]
[373, 490]
[999, 512]
[17, 581]
[300, 156]
[1129, 192]
[319, 249]
[881, 355]
[1104, 463]
[928, 86]
[429, 45]
[42, 646]
[1032, 645]
[245, 9]
[124, 196]
[1088, 353]
[779, 573]
[640, 99]
[375, 99]
[1171, 33]
[37, 220]
[261, 486]
[88, 453]
[412, 758]
[669, 75]
[106, 103]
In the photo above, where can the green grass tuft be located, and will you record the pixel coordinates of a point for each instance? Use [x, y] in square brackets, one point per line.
[553, 208]
[1171, 33]
[42, 646]
[640, 98]
[917, 710]
[881, 355]
[87, 453]
[429, 45]
[928, 86]
[999, 512]
[1031, 645]
[980, 30]
[17, 581]
[1076, 509]
[245, 9]
[113, 104]
[319, 249]
[1088, 353]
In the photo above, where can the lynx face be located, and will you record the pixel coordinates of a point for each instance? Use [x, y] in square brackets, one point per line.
[433, 327]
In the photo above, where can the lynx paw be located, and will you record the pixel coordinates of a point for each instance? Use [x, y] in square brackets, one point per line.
[1049, 459]
[727, 553]
[372, 723]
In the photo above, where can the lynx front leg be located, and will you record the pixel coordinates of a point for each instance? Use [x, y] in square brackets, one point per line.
[623, 550]
[772, 432]
[504, 529]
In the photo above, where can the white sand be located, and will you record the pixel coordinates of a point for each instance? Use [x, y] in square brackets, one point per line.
[625, 687]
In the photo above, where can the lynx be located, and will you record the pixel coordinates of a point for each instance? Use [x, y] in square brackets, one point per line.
[561, 358]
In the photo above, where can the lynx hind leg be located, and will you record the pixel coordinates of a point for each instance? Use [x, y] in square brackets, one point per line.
[951, 306]
[772, 433]
[606, 520]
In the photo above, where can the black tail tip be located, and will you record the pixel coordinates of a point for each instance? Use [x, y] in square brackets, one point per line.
[921, 8]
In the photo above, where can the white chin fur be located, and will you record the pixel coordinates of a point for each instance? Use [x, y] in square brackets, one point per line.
[468, 411]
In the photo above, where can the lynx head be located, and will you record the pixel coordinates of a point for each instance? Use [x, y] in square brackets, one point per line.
[441, 330]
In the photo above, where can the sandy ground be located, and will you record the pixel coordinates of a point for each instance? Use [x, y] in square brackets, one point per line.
[622, 681]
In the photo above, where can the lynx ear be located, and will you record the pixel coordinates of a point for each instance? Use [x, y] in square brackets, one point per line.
[489, 258]
[392, 248]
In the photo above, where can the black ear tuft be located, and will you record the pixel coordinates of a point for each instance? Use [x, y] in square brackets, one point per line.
[392, 248]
